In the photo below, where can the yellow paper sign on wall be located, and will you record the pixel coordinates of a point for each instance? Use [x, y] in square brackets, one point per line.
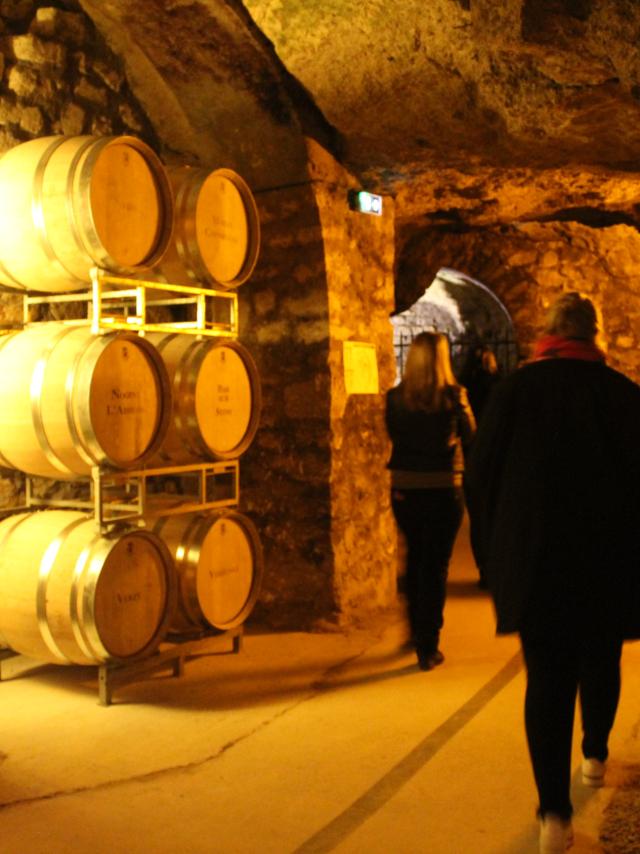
[360, 368]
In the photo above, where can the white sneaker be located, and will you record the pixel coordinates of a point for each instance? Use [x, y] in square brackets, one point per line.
[556, 835]
[593, 773]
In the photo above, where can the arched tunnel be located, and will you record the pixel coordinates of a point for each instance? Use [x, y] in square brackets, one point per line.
[503, 142]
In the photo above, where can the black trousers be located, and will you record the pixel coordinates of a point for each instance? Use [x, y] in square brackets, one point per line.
[556, 671]
[429, 520]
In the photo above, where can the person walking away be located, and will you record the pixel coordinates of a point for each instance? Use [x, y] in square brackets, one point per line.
[553, 492]
[430, 424]
[482, 380]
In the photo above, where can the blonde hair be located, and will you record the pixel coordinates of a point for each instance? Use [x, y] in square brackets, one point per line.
[572, 316]
[428, 376]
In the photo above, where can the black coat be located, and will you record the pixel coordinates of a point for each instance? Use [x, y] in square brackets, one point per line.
[553, 493]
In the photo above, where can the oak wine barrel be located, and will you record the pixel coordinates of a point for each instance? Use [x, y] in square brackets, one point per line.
[216, 398]
[70, 595]
[219, 565]
[69, 203]
[216, 235]
[71, 400]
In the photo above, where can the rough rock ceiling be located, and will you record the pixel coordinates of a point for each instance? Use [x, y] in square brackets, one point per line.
[431, 83]
[470, 112]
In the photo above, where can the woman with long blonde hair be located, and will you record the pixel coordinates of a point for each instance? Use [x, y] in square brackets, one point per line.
[428, 375]
[430, 424]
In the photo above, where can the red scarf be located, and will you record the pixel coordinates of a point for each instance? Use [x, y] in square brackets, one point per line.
[559, 347]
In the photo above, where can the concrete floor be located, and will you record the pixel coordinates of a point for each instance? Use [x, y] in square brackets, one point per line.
[301, 743]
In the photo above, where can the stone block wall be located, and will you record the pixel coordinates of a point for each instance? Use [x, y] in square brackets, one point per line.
[603, 264]
[359, 256]
[285, 473]
[59, 76]
[315, 475]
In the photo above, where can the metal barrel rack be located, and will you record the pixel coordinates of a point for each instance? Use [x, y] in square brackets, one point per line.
[171, 656]
[118, 498]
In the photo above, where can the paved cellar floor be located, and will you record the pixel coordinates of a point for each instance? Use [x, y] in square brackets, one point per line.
[303, 743]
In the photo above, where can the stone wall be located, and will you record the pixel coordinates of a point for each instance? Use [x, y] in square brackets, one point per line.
[285, 473]
[59, 76]
[359, 255]
[315, 475]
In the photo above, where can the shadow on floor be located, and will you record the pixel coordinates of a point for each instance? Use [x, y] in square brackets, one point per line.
[253, 682]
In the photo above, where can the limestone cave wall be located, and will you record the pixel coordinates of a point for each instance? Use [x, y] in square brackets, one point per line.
[315, 475]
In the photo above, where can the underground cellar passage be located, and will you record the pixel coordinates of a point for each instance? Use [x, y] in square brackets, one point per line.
[527, 187]
[502, 144]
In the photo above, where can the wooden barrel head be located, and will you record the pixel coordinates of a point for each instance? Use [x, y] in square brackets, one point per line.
[226, 572]
[131, 596]
[70, 203]
[126, 204]
[125, 401]
[224, 399]
[222, 228]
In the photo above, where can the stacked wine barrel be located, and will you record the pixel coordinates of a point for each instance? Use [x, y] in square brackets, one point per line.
[71, 400]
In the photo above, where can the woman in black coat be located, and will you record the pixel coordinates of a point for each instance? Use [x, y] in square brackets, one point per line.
[429, 421]
[553, 493]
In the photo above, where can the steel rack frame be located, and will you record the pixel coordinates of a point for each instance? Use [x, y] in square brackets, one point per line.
[125, 306]
[116, 496]
[119, 497]
[13, 664]
[171, 655]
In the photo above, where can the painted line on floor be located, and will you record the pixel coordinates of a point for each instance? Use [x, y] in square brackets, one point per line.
[330, 836]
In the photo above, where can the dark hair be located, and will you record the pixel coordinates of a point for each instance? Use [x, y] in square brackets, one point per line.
[572, 316]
